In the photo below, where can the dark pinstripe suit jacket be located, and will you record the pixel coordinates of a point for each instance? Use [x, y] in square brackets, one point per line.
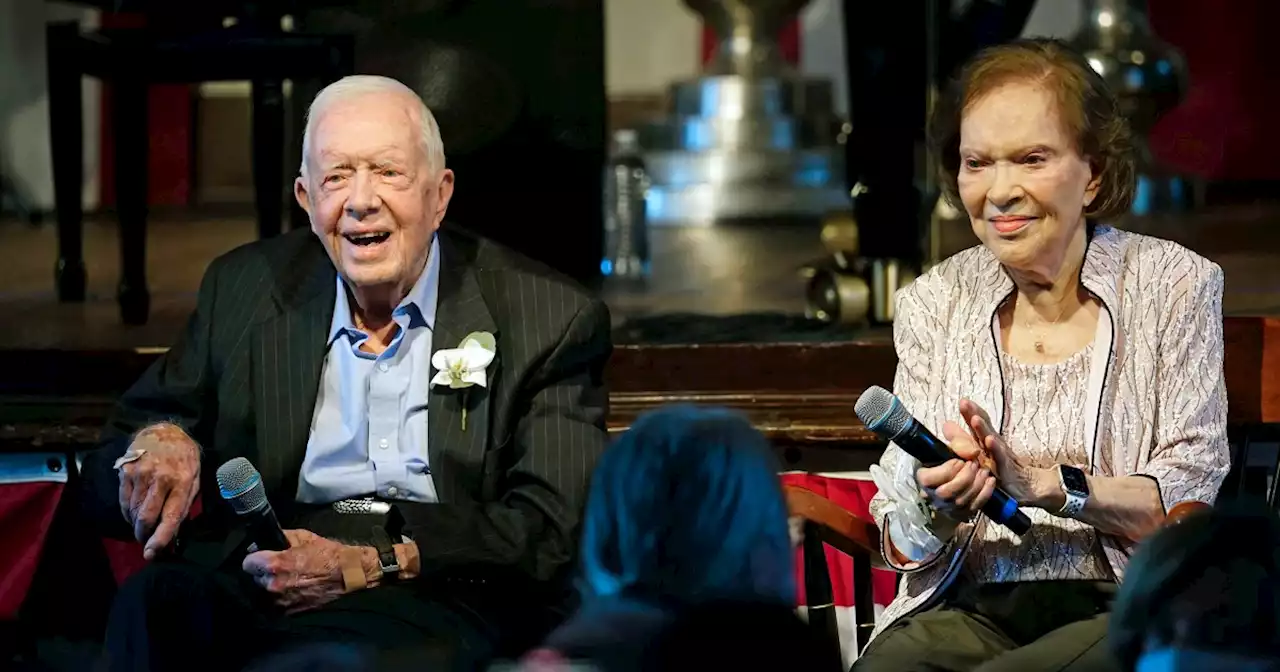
[244, 375]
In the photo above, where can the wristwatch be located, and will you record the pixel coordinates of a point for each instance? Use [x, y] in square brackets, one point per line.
[386, 553]
[1076, 487]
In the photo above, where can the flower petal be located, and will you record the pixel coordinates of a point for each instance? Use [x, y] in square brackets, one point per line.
[441, 378]
[474, 377]
[477, 357]
[440, 360]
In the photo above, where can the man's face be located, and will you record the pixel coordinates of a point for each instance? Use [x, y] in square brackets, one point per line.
[372, 198]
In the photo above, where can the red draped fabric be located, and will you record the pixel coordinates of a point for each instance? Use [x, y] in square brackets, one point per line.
[26, 511]
[30, 492]
[854, 494]
[126, 556]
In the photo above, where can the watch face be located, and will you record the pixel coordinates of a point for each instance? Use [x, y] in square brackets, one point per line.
[1073, 480]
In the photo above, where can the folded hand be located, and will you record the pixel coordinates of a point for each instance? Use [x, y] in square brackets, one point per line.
[304, 576]
[1017, 478]
[158, 488]
[960, 487]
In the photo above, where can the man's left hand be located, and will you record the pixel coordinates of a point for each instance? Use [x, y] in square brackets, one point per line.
[305, 576]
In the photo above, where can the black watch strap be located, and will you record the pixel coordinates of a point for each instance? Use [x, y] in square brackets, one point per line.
[386, 552]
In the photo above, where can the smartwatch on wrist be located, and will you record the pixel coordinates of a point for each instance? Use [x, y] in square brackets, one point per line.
[1076, 488]
[386, 553]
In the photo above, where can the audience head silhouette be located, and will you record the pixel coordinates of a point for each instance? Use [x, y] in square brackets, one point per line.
[1203, 594]
[686, 508]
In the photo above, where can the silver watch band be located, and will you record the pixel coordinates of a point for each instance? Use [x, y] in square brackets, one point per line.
[1075, 501]
[1073, 506]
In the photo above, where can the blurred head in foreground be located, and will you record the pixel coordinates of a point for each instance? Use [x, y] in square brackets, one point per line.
[687, 508]
[1203, 594]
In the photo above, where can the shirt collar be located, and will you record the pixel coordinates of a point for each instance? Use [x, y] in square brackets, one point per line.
[417, 309]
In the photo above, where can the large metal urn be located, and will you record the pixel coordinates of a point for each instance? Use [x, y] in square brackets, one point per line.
[750, 138]
[1149, 77]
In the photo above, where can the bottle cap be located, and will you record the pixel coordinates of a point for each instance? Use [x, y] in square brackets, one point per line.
[626, 140]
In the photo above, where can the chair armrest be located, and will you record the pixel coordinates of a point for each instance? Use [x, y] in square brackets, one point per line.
[837, 526]
[1182, 510]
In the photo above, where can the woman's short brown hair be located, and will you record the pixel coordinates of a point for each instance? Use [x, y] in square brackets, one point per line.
[1087, 107]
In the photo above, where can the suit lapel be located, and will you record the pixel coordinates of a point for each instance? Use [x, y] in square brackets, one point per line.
[288, 355]
[460, 310]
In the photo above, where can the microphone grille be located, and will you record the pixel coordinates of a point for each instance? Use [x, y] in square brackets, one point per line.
[241, 485]
[881, 412]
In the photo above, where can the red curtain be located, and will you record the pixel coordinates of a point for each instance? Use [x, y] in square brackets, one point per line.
[169, 128]
[1224, 129]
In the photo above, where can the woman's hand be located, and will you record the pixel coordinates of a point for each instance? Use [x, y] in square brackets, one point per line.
[959, 487]
[1026, 484]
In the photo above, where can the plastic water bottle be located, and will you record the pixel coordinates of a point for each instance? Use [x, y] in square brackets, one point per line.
[626, 228]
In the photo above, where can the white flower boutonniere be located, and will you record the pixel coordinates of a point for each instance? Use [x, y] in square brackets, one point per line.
[464, 366]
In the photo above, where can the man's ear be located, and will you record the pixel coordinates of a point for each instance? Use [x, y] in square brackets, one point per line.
[444, 192]
[301, 195]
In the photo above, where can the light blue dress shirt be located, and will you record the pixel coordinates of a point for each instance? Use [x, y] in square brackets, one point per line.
[369, 430]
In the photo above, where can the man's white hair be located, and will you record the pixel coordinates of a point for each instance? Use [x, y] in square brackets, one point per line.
[355, 86]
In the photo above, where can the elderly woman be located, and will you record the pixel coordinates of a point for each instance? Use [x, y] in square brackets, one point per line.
[1076, 366]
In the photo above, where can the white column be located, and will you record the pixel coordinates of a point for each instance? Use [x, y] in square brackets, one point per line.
[648, 45]
[25, 154]
[822, 48]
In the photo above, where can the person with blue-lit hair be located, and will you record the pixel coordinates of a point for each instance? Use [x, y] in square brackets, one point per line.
[1203, 595]
[684, 510]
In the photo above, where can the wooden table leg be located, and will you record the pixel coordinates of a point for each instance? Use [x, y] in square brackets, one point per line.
[129, 119]
[268, 154]
[66, 119]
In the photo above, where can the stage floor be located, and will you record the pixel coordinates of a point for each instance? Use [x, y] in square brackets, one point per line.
[179, 247]
[1245, 241]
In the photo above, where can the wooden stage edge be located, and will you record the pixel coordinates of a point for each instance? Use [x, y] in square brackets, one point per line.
[800, 395]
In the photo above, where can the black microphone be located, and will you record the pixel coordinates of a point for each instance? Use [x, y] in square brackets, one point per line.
[241, 485]
[885, 415]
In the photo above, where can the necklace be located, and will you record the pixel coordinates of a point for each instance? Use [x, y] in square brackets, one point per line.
[1038, 336]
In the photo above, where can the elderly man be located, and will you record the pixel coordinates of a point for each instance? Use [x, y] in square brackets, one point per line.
[332, 361]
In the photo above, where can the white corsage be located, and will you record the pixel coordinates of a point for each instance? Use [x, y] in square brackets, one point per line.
[464, 366]
[911, 525]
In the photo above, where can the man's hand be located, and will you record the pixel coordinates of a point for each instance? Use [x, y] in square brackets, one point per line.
[306, 575]
[157, 489]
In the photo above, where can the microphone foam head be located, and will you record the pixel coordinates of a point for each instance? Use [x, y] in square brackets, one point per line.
[241, 485]
[882, 412]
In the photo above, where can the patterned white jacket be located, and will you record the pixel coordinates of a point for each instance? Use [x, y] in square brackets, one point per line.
[1157, 401]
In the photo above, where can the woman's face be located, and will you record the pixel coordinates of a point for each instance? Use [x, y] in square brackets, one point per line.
[1022, 180]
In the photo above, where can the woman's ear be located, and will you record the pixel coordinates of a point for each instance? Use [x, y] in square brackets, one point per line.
[1095, 184]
